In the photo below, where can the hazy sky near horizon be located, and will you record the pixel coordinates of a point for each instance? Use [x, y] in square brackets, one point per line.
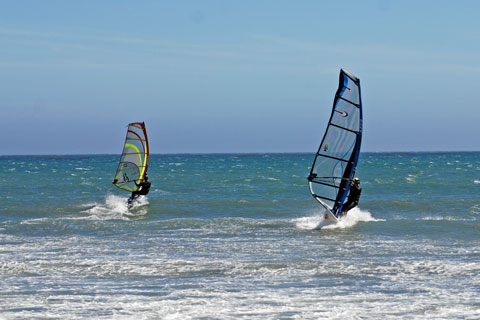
[236, 76]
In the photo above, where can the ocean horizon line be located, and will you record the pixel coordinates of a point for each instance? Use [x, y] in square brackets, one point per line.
[235, 153]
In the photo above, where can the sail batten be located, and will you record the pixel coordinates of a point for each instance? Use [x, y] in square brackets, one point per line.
[353, 131]
[337, 156]
[133, 163]
[334, 158]
[346, 100]
[326, 184]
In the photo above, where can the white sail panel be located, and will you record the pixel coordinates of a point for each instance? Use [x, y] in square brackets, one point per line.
[346, 115]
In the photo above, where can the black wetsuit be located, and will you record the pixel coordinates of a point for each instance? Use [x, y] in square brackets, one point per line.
[353, 198]
[143, 189]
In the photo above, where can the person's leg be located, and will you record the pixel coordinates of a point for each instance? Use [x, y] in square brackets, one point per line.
[132, 197]
[349, 206]
[345, 206]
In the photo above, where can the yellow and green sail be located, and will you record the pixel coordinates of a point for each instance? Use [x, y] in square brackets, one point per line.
[133, 163]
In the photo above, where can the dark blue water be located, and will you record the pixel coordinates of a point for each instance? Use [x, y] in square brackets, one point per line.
[238, 236]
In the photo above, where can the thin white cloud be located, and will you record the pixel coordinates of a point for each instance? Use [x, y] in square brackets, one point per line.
[254, 48]
[85, 42]
[366, 50]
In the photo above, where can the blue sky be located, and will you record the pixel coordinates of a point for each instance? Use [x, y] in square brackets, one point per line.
[236, 76]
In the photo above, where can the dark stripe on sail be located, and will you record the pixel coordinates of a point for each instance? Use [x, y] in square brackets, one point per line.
[325, 184]
[340, 127]
[334, 158]
[346, 100]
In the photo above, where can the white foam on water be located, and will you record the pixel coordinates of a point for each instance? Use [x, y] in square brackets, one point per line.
[116, 207]
[269, 178]
[34, 221]
[176, 164]
[241, 289]
[318, 221]
[160, 191]
[247, 278]
[443, 218]
[475, 209]
[411, 178]
[353, 217]
[309, 223]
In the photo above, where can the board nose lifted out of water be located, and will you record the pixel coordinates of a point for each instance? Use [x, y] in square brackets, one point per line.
[337, 156]
[133, 163]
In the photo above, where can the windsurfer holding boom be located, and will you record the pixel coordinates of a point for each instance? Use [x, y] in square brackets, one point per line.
[143, 189]
[353, 196]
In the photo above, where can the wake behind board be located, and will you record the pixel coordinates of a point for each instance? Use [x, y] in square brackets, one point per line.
[337, 156]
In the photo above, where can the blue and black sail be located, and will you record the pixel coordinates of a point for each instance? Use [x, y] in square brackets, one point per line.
[336, 159]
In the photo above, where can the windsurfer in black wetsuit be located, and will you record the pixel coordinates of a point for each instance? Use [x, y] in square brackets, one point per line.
[143, 189]
[353, 196]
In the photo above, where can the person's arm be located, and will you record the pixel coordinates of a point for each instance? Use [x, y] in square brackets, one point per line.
[139, 185]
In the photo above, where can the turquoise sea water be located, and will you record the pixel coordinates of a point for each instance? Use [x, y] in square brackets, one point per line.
[232, 236]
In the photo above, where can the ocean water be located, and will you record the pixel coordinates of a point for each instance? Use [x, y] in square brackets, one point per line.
[237, 236]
